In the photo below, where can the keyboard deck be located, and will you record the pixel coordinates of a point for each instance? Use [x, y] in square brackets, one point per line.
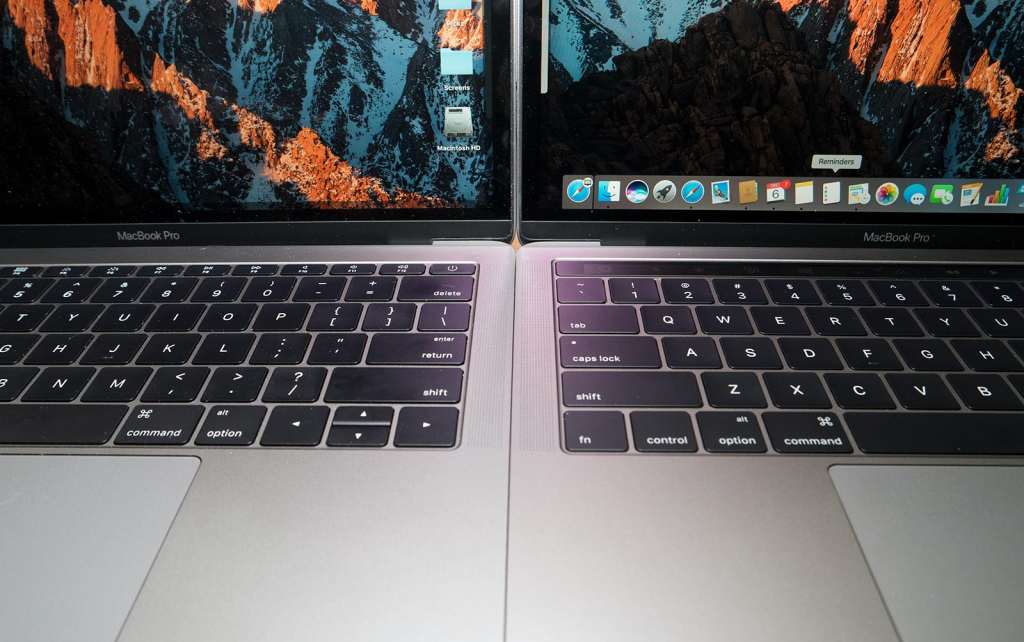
[314, 355]
[676, 357]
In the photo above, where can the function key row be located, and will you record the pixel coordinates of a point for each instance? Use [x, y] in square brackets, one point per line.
[250, 269]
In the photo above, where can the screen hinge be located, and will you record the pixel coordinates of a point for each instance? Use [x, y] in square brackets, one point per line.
[463, 242]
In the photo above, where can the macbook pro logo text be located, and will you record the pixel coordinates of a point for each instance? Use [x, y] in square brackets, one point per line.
[141, 236]
[903, 238]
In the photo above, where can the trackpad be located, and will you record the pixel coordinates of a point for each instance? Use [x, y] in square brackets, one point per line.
[944, 544]
[77, 537]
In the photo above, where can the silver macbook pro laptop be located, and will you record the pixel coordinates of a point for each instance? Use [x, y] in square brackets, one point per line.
[255, 320]
[769, 377]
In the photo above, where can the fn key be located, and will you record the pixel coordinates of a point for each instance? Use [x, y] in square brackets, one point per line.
[595, 431]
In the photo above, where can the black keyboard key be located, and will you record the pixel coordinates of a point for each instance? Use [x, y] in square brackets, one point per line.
[633, 291]
[922, 392]
[724, 320]
[235, 385]
[304, 269]
[59, 384]
[796, 390]
[337, 349]
[950, 294]
[428, 349]
[372, 288]
[436, 288]
[389, 317]
[589, 319]
[160, 270]
[356, 436]
[363, 415]
[281, 317]
[113, 349]
[255, 269]
[698, 353]
[861, 391]
[170, 290]
[64, 271]
[159, 425]
[806, 432]
[595, 431]
[56, 424]
[836, 322]
[453, 268]
[227, 317]
[168, 350]
[869, 354]
[176, 385]
[603, 352]
[986, 355]
[24, 290]
[129, 317]
[927, 355]
[71, 318]
[23, 318]
[416, 269]
[999, 322]
[19, 270]
[13, 382]
[639, 389]
[280, 349]
[71, 290]
[59, 349]
[792, 292]
[175, 317]
[295, 385]
[120, 290]
[353, 269]
[269, 289]
[231, 426]
[224, 349]
[395, 385]
[985, 392]
[757, 353]
[740, 291]
[113, 271]
[14, 347]
[295, 426]
[691, 291]
[1000, 294]
[219, 290]
[667, 319]
[117, 384]
[810, 354]
[582, 290]
[663, 432]
[779, 321]
[897, 293]
[891, 322]
[426, 427]
[445, 317]
[936, 433]
[324, 288]
[331, 317]
[845, 292]
[208, 270]
[946, 323]
[733, 390]
[730, 432]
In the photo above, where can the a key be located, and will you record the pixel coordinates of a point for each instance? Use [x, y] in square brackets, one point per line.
[23, 318]
[113, 349]
[792, 292]
[422, 427]
[897, 293]
[71, 290]
[277, 349]
[13, 382]
[231, 426]
[160, 270]
[589, 319]
[952, 294]
[999, 322]
[332, 317]
[59, 384]
[755, 353]
[836, 322]
[295, 426]
[740, 291]
[985, 392]
[159, 425]
[227, 317]
[235, 385]
[208, 270]
[444, 317]
[605, 352]
[845, 292]
[580, 290]
[436, 288]
[806, 432]
[117, 384]
[323, 288]
[423, 349]
[415, 269]
[389, 317]
[281, 317]
[733, 390]
[372, 288]
[595, 431]
[633, 291]
[120, 290]
[687, 291]
[255, 269]
[986, 355]
[810, 354]
[1000, 294]
[946, 323]
[796, 390]
[71, 318]
[59, 424]
[779, 321]
[169, 349]
[337, 349]
[219, 290]
[695, 353]
[452, 268]
[395, 385]
[304, 269]
[660, 432]
[922, 392]
[269, 289]
[927, 355]
[58, 349]
[891, 322]
[354, 269]
[24, 290]
[168, 290]
[730, 432]
[295, 385]
[859, 391]
[224, 349]
[175, 317]
[176, 385]
[936, 433]
[123, 317]
[637, 389]
[14, 347]
[666, 319]
[724, 320]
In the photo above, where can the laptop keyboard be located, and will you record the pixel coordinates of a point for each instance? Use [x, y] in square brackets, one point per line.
[659, 357]
[342, 355]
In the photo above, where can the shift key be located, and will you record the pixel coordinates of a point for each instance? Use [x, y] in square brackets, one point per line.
[630, 389]
[394, 385]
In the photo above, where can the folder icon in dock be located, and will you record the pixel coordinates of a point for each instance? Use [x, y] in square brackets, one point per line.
[455, 62]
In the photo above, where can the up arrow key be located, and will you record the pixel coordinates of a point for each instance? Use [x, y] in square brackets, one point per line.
[426, 424]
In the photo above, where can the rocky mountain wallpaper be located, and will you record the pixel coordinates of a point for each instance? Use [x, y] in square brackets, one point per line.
[129, 104]
[929, 88]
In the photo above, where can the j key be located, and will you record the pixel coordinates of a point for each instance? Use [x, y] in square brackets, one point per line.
[687, 291]
[24, 290]
[792, 292]
[986, 355]
[951, 294]
[231, 426]
[71, 290]
[280, 317]
[922, 392]
[257, 269]
[412, 269]
[19, 270]
[167, 290]
[219, 290]
[295, 426]
[113, 271]
[730, 432]
[580, 290]
[208, 270]
[371, 288]
[633, 291]
[836, 322]
[175, 317]
[235, 385]
[595, 431]
[59, 384]
[337, 349]
[426, 427]
[160, 270]
[15, 346]
[859, 391]
[742, 291]
[176, 385]
[72, 318]
[389, 317]
[168, 349]
[780, 321]
[59, 349]
[805, 432]
[23, 318]
[691, 354]
[733, 390]
[224, 349]
[395, 385]
[424, 349]
[792, 390]
[999, 323]
[304, 269]
[227, 317]
[55, 424]
[129, 317]
[985, 392]
[295, 385]
[1000, 294]
[322, 288]
[116, 384]
[927, 355]
[939, 433]
[810, 354]
[436, 288]
[608, 352]
[724, 320]
[453, 268]
[661, 432]
[896, 293]
[13, 381]
[845, 292]
[335, 317]
[61, 271]
[159, 425]
[891, 322]
[113, 349]
[869, 354]
[269, 289]
[756, 353]
[275, 349]
[946, 323]
[120, 290]
[590, 319]
[353, 269]
[444, 317]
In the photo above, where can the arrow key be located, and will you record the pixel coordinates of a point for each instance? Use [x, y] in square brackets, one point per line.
[295, 426]
[346, 435]
[427, 427]
[377, 415]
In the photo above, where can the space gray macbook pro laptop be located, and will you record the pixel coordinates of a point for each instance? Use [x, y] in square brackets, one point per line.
[769, 377]
[255, 320]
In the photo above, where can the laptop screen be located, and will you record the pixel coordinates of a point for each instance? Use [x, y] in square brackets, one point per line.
[809, 110]
[164, 110]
